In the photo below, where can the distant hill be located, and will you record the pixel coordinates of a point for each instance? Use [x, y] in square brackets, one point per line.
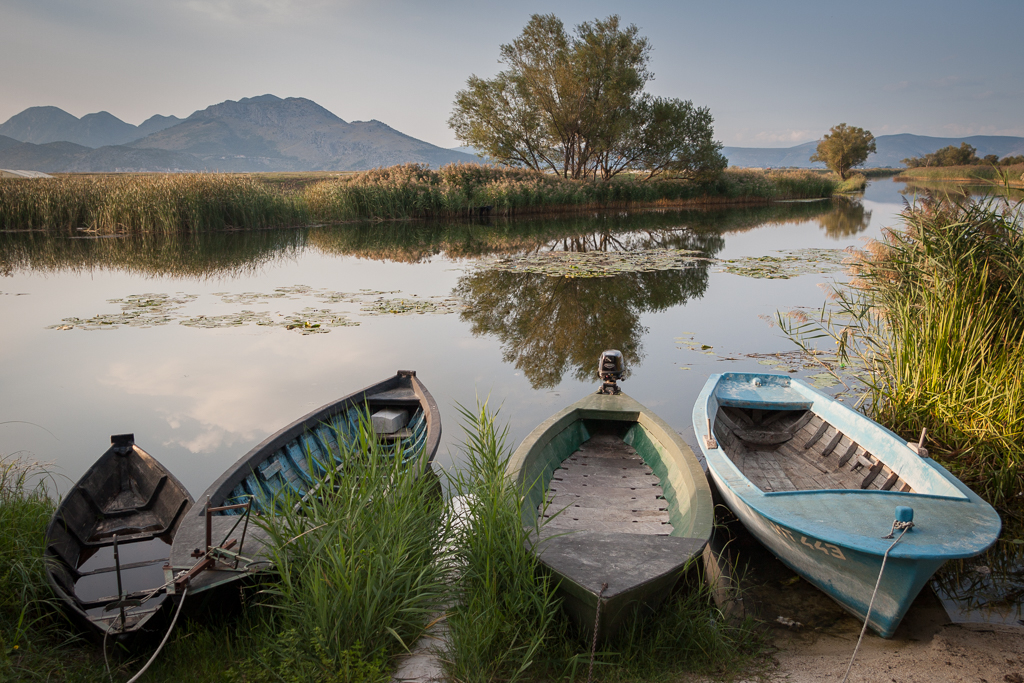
[263, 133]
[67, 157]
[41, 125]
[891, 150]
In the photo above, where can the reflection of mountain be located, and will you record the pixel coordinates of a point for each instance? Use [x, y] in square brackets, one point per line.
[549, 325]
[847, 218]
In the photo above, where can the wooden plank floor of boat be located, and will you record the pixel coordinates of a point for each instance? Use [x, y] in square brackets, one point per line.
[818, 457]
[606, 486]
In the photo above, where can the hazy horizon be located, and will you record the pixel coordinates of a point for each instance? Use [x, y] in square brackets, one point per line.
[773, 75]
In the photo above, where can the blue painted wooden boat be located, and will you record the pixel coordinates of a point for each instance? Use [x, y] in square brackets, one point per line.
[818, 484]
[287, 465]
[618, 500]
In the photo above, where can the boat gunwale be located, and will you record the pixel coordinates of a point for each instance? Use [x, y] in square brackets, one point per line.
[247, 464]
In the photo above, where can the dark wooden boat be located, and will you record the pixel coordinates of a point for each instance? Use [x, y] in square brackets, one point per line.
[618, 498]
[110, 536]
[287, 464]
[820, 484]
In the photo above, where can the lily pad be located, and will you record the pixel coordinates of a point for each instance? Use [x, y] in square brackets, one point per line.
[789, 263]
[589, 264]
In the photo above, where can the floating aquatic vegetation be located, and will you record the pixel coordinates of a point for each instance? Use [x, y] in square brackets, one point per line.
[316, 321]
[137, 310]
[406, 306]
[790, 263]
[250, 298]
[147, 310]
[596, 263]
[229, 320]
[354, 297]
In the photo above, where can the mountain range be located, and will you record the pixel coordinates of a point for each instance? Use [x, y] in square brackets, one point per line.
[890, 152]
[265, 133]
[268, 133]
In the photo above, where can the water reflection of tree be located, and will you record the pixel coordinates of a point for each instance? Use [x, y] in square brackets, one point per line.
[848, 217]
[552, 325]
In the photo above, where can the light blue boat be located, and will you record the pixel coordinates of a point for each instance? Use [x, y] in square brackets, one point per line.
[819, 484]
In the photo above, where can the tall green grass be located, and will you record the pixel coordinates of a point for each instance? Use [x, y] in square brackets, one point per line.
[359, 565]
[27, 618]
[936, 314]
[505, 620]
[147, 203]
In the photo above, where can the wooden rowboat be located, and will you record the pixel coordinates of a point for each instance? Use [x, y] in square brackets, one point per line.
[109, 537]
[287, 465]
[618, 498]
[820, 484]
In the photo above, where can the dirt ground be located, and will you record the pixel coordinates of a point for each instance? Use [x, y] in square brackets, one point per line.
[814, 638]
[979, 653]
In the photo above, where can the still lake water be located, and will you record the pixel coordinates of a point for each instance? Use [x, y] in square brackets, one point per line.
[186, 342]
[204, 346]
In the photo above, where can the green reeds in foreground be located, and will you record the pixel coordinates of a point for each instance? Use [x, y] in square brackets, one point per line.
[505, 618]
[25, 600]
[937, 317]
[359, 566]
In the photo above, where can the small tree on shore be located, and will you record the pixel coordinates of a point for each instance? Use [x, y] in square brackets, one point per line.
[844, 147]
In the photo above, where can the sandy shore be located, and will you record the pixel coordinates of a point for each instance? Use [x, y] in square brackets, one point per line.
[985, 653]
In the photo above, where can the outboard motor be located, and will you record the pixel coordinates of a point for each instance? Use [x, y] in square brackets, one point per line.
[610, 369]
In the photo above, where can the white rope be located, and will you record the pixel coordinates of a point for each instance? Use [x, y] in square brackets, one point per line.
[161, 647]
[164, 641]
[872, 602]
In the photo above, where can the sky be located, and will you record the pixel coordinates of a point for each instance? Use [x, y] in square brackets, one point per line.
[773, 73]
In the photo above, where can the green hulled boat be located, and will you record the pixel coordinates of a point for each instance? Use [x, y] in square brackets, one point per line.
[619, 503]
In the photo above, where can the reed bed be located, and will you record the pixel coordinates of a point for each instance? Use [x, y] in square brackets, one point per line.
[460, 190]
[977, 173]
[203, 202]
[147, 203]
[937, 316]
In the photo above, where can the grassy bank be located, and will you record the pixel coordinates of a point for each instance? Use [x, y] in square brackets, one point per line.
[936, 314]
[976, 174]
[413, 191]
[358, 575]
[107, 204]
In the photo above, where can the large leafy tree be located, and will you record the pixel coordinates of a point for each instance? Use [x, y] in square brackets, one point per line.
[844, 147]
[575, 105]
